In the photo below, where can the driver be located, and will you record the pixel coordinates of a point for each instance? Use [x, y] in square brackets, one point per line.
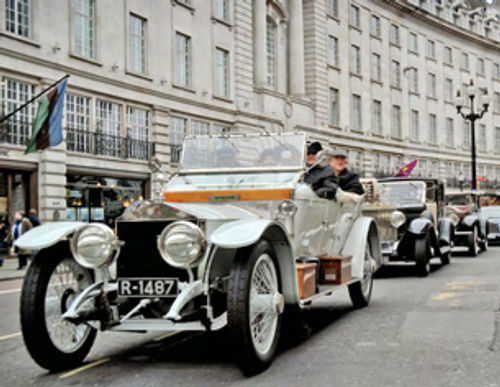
[321, 179]
[348, 181]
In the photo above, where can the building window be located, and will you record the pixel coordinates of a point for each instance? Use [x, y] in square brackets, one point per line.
[413, 42]
[17, 17]
[394, 37]
[376, 67]
[332, 7]
[467, 135]
[448, 89]
[396, 122]
[431, 49]
[199, 128]
[355, 18]
[77, 123]
[221, 9]
[137, 44]
[375, 26]
[413, 80]
[182, 60]
[356, 112]
[482, 137]
[480, 67]
[334, 107]
[464, 61]
[496, 102]
[377, 117]
[432, 129]
[497, 140]
[495, 71]
[221, 75]
[414, 129]
[333, 50]
[137, 133]
[431, 87]
[84, 28]
[14, 94]
[108, 128]
[448, 56]
[395, 74]
[271, 52]
[449, 132]
[355, 60]
[178, 126]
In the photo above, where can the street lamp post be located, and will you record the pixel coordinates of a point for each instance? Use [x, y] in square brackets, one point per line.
[471, 92]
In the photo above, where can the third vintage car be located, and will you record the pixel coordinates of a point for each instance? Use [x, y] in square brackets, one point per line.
[237, 239]
[412, 225]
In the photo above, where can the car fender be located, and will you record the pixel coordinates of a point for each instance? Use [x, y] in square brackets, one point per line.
[470, 220]
[364, 229]
[243, 233]
[47, 235]
[419, 226]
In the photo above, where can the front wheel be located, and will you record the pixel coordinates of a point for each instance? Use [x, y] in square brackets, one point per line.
[52, 282]
[483, 245]
[472, 243]
[422, 257]
[361, 292]
[254, 307]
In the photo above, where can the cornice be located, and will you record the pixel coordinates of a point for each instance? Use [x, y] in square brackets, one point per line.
[436, 21]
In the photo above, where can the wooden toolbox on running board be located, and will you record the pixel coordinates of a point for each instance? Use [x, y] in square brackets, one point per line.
[335, 270]
[306, 278]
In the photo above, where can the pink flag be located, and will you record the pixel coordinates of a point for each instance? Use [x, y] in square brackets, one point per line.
[406, 170]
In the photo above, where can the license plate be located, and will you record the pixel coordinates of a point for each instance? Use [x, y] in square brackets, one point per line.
[148, 287]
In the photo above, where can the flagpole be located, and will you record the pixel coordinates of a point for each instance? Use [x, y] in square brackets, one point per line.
[32, 99]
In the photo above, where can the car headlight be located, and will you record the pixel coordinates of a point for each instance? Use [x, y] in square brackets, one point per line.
[454, 219]
[182, 244]
[287, 208]
[94, 245]
[397, 219]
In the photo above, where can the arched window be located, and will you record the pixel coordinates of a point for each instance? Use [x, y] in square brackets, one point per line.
[271, 52]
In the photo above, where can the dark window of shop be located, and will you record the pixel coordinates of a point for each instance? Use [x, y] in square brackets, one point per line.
[100, 199]
[16, 193]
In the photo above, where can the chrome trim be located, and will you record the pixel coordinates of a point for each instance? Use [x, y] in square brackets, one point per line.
[190, 291]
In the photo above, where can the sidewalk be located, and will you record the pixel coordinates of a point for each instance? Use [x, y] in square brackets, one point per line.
[9, 270]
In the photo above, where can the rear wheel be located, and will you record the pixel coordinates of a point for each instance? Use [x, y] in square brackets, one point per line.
[361, 292]
[483, 245]
[52, 282]
[472, 242]
[254, 307]
[422, 256]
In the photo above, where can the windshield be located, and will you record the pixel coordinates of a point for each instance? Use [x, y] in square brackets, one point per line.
[402, 194]
[493, 211]
[457, 200]
[285, 151]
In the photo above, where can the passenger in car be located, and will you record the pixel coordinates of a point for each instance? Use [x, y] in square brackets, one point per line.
[348, 181]
[321, 179]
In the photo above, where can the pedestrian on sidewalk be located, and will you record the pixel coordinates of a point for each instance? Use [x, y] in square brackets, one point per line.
[21, 226]
[4, 232]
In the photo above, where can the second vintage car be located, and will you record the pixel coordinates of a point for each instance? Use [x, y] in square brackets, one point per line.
[412, 226]
[238, 239]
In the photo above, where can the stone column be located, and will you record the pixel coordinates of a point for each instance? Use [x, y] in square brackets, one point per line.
[160, 122]
[296, 48]
[259, 24]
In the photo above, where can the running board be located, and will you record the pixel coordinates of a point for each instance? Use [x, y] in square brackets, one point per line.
[326, 290]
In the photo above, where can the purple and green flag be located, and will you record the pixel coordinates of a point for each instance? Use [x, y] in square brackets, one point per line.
[47, 128]
[406, 170]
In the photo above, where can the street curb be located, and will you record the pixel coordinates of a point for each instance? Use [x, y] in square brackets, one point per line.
[11, 279]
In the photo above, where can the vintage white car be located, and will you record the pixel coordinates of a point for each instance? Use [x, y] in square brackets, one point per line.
[220, 250]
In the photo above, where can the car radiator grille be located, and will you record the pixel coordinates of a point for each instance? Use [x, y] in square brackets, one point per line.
[139, 257]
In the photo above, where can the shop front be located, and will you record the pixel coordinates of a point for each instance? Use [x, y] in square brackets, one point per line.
[18, 192]
[99, 198]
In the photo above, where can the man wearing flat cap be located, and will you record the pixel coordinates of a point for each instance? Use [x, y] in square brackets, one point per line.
[321, 179]
[348, 181]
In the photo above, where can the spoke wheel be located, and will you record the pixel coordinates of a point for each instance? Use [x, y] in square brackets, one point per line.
[255, 306]
[52, 282]
[361, 292]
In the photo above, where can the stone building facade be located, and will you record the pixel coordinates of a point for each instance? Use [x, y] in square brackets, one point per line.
[375, 77]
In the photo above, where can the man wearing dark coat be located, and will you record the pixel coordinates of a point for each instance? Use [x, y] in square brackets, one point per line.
[348, 181]
[321, 179]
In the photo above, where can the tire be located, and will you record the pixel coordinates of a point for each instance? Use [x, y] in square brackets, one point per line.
[38, 325]
[483, 245]
[361, 292]
[472, 243]
[254, 350]
[445, 259]
[422, 257]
